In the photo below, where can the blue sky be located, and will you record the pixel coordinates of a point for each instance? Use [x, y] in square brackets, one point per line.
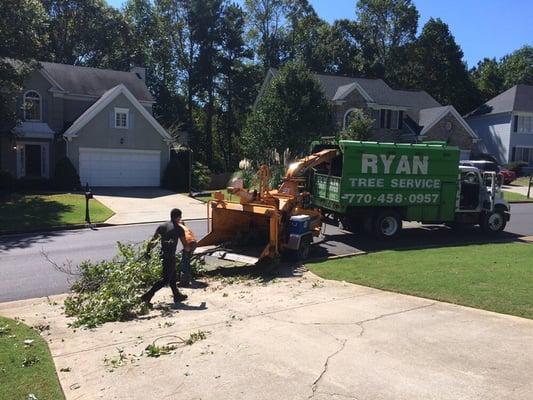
[483, 28]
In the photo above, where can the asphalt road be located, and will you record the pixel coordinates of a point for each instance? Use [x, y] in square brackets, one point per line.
[25, 272]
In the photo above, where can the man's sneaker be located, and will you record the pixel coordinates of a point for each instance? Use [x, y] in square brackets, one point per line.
[180, 297]
[184, 284]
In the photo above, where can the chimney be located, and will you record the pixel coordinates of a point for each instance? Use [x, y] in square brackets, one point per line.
[140, 72]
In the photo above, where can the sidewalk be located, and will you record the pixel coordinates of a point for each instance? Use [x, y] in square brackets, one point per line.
[517, 189]
[293, 338]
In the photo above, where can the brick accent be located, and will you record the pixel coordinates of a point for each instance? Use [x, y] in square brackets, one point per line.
[456, 136]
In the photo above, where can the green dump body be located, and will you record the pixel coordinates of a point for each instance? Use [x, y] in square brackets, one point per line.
[421, 180]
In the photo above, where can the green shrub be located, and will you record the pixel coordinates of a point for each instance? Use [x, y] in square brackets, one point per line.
[110, 290]
[517, 166]
[176, 176]
[7, 180]
[65, 176]
[200, 176]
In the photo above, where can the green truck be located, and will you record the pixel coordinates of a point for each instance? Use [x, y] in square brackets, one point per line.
[375, 186]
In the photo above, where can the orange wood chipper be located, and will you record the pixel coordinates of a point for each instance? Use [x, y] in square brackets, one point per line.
[266, 223]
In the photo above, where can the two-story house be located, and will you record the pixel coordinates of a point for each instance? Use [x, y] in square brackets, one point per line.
[505, 125]
[100, 119]
[399, 115]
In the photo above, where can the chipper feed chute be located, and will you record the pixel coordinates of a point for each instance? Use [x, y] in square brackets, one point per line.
[245, 233]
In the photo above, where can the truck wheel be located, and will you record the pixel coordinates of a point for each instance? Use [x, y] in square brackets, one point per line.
[493, 222]
[387, 225]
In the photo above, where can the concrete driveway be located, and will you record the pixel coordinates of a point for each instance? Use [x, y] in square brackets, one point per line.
[135, 205]
[295, 337]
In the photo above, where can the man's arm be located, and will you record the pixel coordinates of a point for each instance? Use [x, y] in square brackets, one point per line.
[152, 242]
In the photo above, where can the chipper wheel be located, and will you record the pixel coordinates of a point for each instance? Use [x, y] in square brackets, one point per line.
[304, 249]
[387, 224]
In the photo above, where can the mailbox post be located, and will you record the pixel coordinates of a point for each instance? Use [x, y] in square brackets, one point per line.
[88, 196]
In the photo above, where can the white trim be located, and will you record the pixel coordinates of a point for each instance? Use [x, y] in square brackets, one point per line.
[346, 114]
[377, 106]
[21, 152]
[87, 97]
[360, 89]
[112, 150]
[457, 116]
[103, 102]
[50, 79]
[40, 106]
[125, 111]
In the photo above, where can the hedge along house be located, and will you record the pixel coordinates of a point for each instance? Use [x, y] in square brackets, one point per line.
[399, 115]
[505, 126]
[100, 119]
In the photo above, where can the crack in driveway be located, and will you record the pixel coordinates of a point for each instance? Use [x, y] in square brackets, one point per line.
[361, 323]
[357, 323]
[314, 386]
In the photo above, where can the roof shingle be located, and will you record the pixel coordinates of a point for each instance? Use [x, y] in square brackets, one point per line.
[94, 81]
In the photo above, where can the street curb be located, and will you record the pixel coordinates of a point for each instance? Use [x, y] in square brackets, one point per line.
[82, 226]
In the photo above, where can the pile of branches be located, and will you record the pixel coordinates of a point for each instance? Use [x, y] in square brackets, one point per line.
[110, 290]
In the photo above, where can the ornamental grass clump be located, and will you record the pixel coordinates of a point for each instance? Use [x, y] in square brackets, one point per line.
[110, 290]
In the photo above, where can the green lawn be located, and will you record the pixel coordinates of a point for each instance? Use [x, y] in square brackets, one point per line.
[25, 368]
[36, 211]
[522, 181]
[512, 197]
[495, 277]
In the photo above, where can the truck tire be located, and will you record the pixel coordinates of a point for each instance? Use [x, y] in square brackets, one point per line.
[493, 222]
[387, 225]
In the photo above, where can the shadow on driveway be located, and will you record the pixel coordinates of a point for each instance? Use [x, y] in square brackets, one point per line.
[132, 192]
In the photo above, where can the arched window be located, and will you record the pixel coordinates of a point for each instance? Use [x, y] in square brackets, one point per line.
[32, 106]
[350, 114]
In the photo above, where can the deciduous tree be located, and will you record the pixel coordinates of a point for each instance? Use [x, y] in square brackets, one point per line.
[292, 112]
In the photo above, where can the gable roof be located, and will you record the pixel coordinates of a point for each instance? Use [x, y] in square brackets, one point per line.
[103, 101]
[87, 81]
[517, 98]
[337, 88]
[428, 117]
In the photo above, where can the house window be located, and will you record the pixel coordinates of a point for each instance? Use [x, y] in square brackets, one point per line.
[389, 119]
[523, 154]
[121, 118]
[32, 106]
[382, 117]
[523, 124]
[400, 119]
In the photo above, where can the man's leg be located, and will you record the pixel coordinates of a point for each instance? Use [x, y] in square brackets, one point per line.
[158, 285]
[149, 294]
[170, 268]
[185, 268]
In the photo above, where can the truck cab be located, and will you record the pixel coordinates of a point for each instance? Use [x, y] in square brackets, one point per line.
[480, 200]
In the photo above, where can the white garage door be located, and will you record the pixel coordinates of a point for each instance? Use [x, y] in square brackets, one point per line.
[107, 167]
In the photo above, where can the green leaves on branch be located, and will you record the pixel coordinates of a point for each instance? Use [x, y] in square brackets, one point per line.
[359, 126]
[110, 290]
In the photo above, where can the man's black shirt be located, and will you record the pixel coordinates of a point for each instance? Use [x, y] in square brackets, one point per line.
[170, 234]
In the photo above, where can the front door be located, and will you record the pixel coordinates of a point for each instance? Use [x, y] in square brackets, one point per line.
[33, 160]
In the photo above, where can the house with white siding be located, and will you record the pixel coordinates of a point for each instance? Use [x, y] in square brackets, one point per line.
[504, 125]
